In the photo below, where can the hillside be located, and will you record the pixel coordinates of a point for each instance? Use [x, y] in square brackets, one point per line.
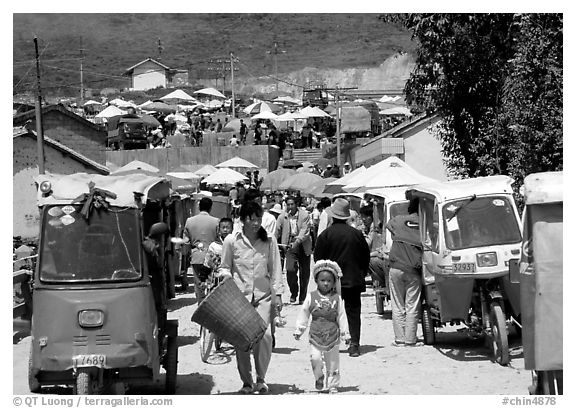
[309, 47]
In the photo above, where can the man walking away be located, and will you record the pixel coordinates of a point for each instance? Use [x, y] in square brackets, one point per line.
[347, 247]
[201, 230]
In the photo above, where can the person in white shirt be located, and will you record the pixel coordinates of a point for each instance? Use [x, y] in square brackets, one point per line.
[234, 141]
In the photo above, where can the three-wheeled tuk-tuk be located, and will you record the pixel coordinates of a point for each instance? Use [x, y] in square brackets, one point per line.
[541, 276]
[470, 229]
[388, 202]
[100, 316]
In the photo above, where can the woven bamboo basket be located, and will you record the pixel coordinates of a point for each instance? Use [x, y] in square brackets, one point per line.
[227, 313]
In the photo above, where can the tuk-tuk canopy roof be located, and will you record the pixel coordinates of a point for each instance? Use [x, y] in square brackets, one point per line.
[453, 190]
[390, 194]
[66, 188]
[542, 188]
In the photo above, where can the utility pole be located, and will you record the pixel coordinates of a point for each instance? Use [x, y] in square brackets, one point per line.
[232, 85]
[275, 53]
[337, 92]
[39, 130]
[160, 49]
[81, 73]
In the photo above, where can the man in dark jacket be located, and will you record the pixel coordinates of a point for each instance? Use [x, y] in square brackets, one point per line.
[348, 248]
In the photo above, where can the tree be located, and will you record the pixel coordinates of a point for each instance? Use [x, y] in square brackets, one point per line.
[496, 81]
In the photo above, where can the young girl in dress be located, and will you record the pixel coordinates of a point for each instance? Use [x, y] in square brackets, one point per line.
[328, 325]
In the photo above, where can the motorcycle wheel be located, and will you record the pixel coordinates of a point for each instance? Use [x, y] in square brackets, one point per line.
[499, 334]
[428, 326]
[206, 341]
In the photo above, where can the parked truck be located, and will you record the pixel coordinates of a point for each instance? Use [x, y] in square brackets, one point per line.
[126, 132]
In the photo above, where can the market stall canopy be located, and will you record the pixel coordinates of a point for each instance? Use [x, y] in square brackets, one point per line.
[314, 112]
[391, 172]
[210, 92]
[206, 170]
[186, 175]
[259, 107]
[399, 110]
[91, 102]
[300, 181]
[148, 102]
[176, 117]
[288, 116]
[178, 96]
[348, 177]
[110, 111]
[273, 179]
[149, 120]
[237, 162]
[265, 115]
[136, 165]
[225, 176]
[160, 107]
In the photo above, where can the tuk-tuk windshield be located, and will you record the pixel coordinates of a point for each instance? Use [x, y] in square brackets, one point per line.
[482, 221]
[103, 248]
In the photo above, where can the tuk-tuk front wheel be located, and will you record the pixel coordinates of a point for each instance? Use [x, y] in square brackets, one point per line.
[428, 326]
[499, 335]
[86, 382]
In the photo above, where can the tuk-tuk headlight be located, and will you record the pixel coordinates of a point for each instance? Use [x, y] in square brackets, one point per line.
[487, 259]
[45, 187]
[91, 318]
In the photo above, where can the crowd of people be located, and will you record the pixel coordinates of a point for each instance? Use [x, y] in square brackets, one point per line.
[339, 245]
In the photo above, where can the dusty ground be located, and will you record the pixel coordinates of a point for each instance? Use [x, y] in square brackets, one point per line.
[456, 365]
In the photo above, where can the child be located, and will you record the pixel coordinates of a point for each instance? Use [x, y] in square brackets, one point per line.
[329, 323]
[213, 255]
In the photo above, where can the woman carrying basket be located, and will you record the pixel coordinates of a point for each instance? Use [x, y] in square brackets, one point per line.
[252, 259]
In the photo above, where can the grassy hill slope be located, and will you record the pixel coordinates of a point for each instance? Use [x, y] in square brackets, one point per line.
[115, 42]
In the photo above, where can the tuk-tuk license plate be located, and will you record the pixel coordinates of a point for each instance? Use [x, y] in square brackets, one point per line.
[465, 267]
[89, 360]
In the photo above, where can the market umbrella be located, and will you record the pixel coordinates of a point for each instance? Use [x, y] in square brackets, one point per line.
[232, 126]
[210, 92]
[185, 175]
[206, 170]
[178, 96]
[177, 117]
[136, 165]
[265, 115]
[288, 100]
[317, 189]
[272, 180]
[237, 162]
[224, 176]
[121, 103]
[259, 107]
[300, 181]
[291, 163]
[160, 107]
[148, 102]
[323, 162]
[212, 104]
[314, 112]
[91, 102]
[110, 111]
[150, 120]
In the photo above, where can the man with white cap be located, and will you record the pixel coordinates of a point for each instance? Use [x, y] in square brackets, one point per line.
[347, 169]
[346, 246]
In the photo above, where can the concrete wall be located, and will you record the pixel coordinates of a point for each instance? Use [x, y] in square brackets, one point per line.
[169, 159]
[25, 214]
[82, 138]
[422, 152]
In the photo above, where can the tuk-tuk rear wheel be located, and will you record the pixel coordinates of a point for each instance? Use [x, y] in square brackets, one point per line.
[171, 365]
[499, 335]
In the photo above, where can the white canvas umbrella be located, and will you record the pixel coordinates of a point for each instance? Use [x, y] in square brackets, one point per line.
[224, 176]
[237, 162]
[148, 102]
[91, 102]
[259, 107]
[178, 96]
[121, 103]
[265, 115]
[206, 170]
[110, 111]
[314, 112]
[391, 172]
[185, 175]
[211, 92]
[212, 104]
[136, 165]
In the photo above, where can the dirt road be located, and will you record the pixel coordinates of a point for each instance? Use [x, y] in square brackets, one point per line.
[456, 365]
